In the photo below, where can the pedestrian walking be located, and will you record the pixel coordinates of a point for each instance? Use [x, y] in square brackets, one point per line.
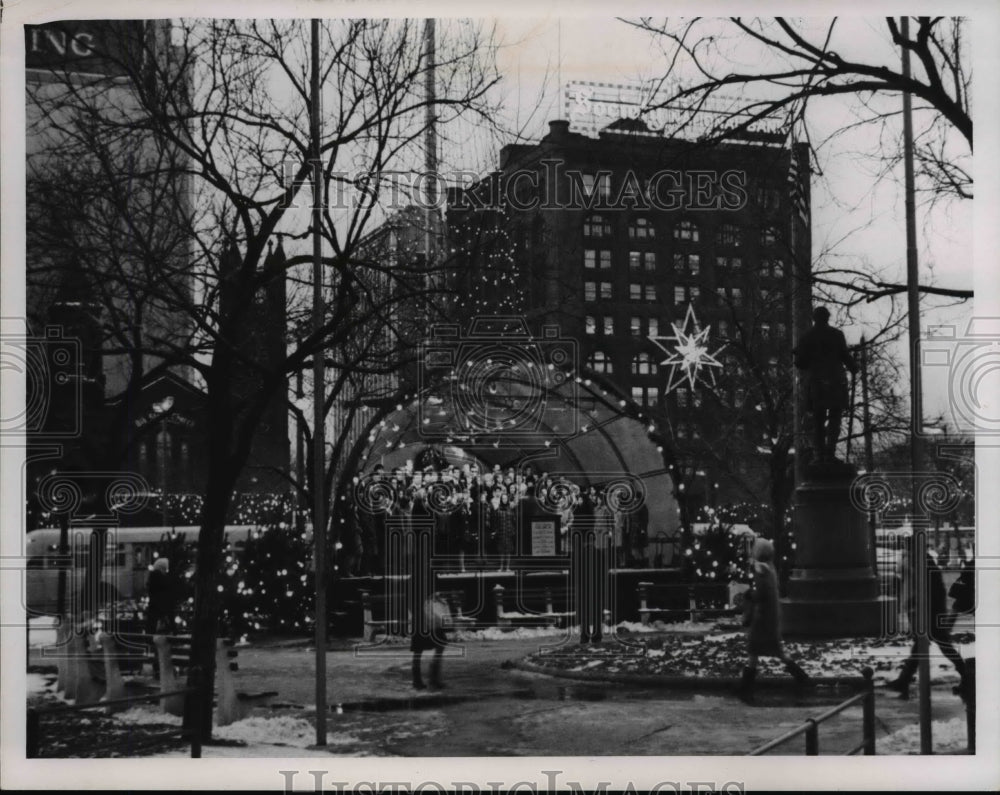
[763, 619]
[429, 634]
[162, 601]
[940, 620]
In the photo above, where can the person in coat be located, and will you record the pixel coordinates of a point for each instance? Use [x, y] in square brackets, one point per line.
[940, 621]
[161, 608]
[823, 354]
[763, 618]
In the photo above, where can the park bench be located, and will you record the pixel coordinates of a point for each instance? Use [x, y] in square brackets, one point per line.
[693, 602]
[387, 614]
[533, 607]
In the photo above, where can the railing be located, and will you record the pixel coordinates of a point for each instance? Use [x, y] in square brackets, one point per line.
[34, 729]
[811, 727]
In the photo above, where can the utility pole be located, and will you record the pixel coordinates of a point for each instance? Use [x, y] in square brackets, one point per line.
[920, 581]
[430, 145]
[319, 379]
[866, 419]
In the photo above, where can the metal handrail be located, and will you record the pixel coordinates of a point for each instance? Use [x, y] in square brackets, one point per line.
[811, 727]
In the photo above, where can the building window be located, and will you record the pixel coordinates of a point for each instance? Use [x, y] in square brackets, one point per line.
[736, 296]
[591, 324]
[768, 236]
[681, 396]
[723, 328]
[601, 183]
[694, 293]
[679, 295]
[635, 292]
[781, 331]
[634, 260]
[606, 290]
[686, 230]
[641, 229]
[609, 325]
[765, 330]
[652, 396]
[730, 235]
[641, 364]
[649, 261]
[681, 432]
[636, 326]
[775, 267]
[596, 226]
[654, 327]
[591, 258]
[728, 263]
[590, 291]
[651, 293]
[684, 263]
[600, 362]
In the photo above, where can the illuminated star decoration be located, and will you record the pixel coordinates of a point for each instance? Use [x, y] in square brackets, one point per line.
[690, 353]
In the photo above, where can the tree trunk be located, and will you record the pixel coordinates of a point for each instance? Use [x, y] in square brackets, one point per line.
[207, 603]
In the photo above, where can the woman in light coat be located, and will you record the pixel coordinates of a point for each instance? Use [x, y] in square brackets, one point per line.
[763, 617]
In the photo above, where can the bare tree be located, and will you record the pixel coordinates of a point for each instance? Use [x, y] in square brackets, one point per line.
[228, 109]
[741, 73]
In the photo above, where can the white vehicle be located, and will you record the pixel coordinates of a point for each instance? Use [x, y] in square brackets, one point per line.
[128, 556]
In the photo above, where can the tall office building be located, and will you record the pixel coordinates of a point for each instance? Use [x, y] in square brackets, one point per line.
[622, 236]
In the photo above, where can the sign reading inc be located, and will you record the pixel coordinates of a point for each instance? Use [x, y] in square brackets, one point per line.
[87, 46]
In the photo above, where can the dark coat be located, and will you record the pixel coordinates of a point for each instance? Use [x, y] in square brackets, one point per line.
[823, 354]
[764, 637]
[161, 601]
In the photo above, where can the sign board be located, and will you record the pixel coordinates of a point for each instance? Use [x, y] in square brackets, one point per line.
[543, 537]
[591, 106]
[83, 46]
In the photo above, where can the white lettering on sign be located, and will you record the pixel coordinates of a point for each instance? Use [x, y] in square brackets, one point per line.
[49, 41]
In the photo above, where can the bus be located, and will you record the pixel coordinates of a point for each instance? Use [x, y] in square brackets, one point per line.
[128, 557]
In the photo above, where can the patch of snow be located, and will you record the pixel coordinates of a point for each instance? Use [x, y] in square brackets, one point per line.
[950, 736]
[39, 683]
[145, 715]
[258, 729]
[42, 631]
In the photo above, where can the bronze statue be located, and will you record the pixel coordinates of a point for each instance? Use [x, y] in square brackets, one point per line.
[823, 354]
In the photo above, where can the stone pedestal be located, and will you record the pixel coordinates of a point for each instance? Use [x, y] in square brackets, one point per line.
[833, 591]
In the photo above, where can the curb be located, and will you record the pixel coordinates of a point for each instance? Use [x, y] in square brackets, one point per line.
[682, 682]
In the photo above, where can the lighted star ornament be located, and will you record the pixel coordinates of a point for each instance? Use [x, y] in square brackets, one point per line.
[689, 354]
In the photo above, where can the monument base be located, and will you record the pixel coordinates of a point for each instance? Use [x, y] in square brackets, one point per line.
[833, 590]
[818, 618]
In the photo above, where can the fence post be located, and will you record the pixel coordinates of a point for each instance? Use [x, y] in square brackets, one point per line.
[199, 695]
[812, 738]
[970, 703]
[31, 735]
[868, 715]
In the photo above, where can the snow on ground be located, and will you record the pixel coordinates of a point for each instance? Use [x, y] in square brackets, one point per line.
[948, 737]
[42, 631]
[37, 684]
[284, 735]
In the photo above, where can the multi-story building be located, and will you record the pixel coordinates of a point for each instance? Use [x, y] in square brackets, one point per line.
[109, 265]
[618, 237]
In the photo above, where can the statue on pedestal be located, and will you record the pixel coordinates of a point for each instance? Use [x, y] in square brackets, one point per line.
[823, 355]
